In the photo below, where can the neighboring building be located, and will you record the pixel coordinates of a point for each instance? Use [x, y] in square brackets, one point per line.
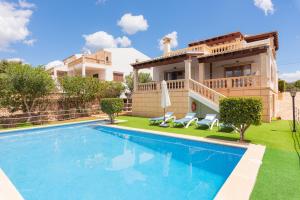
[111, 64]
[207, 70]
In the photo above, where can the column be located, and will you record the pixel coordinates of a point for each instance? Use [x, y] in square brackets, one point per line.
[187, 68]
[135, 79]
[201, 72]
[83, 71]
[55, 73]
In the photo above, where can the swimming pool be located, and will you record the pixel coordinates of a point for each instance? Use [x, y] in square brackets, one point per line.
[89, 161]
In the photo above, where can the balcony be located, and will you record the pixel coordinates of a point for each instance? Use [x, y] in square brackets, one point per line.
[89, 60]
[233, 82]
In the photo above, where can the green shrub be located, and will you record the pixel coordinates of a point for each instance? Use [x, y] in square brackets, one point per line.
[297, 84]
[241, 113]
[112, 106]
[110, 89]
[281, 86]
[82, 89]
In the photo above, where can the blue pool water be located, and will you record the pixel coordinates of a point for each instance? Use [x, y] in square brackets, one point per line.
[90, 162]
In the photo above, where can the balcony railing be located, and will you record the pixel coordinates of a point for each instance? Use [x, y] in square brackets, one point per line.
[89, 60]
[233, 82]
[152, 86]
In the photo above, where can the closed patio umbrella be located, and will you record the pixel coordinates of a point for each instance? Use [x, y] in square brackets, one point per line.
[165, 98]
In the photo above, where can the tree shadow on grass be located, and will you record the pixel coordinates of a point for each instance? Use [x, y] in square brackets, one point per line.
[296, 139]
[221, 137]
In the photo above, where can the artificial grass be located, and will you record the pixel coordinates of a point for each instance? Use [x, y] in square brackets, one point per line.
[279, 175]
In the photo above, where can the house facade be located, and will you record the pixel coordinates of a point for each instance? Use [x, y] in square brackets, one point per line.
[111, 64]
[198, 76]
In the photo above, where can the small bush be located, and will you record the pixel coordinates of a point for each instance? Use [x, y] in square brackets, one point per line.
[241, 113]
[112, 106]
[281, 86]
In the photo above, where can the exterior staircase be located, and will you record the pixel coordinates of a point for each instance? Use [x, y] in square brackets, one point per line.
[205, 95]
[196, 90]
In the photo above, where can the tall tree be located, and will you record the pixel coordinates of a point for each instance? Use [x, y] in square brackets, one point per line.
[142, 78]
[82, 89]
[297, 84]
[22, 85]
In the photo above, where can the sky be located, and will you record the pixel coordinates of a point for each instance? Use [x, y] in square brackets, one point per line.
[40, 31]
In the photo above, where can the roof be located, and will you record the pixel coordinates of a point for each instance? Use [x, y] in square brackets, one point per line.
[54, 64]
[263, 36]
[235, 35]
[218, 39]
[211, 41]
[163, 60]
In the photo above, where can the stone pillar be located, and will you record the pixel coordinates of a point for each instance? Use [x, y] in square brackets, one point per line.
[264, 67]
[83, 71]
[201, 72]
[187, 68]
[135, 79]
[55, 73]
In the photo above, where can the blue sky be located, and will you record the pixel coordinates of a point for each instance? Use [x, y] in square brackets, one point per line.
[47, 30]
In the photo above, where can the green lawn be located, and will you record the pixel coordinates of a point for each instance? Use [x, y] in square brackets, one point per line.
[279, 175]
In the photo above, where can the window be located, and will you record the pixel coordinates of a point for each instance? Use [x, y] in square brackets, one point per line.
[118, 76]
[244, 70]
[107, 59]
[95, 75]
[174, 75]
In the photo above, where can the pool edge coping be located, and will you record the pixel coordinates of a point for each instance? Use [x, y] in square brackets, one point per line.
[8, 189]
[240, 183]
[46, 126]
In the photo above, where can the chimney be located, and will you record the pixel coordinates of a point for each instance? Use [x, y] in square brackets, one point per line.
[167, 45]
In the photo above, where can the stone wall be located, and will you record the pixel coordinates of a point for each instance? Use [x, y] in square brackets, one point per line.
[147, 104]
[285, 110]
[268, 96]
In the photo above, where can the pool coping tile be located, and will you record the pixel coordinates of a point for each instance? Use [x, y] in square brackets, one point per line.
[7, 188]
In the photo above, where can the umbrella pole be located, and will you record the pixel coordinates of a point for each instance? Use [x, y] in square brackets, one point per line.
[164, 115]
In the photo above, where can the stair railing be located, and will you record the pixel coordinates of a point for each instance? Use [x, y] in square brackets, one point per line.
[205, 91]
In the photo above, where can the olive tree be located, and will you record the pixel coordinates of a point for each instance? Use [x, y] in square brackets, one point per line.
[142, 78]
[241, 113]
[22, 85]
[110, 89]
[82, 89]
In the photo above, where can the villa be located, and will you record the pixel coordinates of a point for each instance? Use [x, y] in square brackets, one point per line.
[111, 64]
[198, 76]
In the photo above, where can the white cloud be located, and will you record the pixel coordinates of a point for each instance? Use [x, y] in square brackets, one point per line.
[123, 41]
[14, 60]
[290, 77]
[174, 41]
[25, 4]
[29, 42]
[131, 24]
[266, 5]
[101, 40]
[14, 20]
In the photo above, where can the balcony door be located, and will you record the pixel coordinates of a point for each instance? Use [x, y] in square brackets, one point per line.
[174, 75]
[236, 71]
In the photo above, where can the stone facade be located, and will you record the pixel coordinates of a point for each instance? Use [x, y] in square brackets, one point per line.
[147, 104]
